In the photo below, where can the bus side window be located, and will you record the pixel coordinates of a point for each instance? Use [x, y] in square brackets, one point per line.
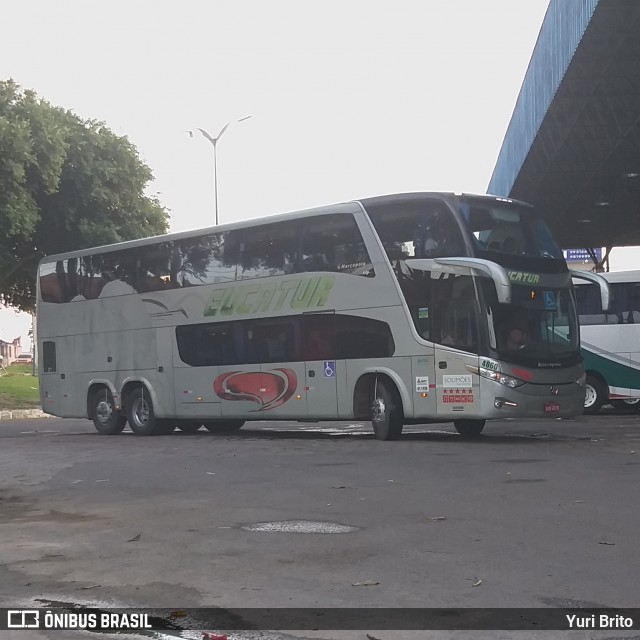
[271, 341]
[358, 337]
[49, 356]
[267, 250]
[156, 269]
[440, 237]
[318, 337]
[454, 312]
[334, 243]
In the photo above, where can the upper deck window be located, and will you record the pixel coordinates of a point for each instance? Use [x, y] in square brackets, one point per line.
[508, 229]
[330, 243]
[420, 229]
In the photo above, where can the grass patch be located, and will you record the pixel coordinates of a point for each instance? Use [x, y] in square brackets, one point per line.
[18, 388]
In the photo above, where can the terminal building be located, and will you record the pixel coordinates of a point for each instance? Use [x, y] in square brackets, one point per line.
[572, 148]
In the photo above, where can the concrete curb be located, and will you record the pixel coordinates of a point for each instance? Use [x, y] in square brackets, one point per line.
[16, 414]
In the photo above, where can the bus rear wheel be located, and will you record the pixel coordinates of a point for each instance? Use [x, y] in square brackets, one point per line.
[595, 395]
[140, 415]
[106, 418]
[469, 428]
[223, 426]
[386, 412]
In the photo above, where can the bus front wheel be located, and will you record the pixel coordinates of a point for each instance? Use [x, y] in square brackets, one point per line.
[386, 412]
[469, 428]
[595, 395]
[106, 418]
[140, 415]
[223, 426]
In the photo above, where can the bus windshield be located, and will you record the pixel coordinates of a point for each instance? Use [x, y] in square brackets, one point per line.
[538, 327]
[507, 228]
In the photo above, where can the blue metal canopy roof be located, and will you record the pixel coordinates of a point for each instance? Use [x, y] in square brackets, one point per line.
[572, 148]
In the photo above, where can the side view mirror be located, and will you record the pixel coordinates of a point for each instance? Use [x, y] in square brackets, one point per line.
[605, 289]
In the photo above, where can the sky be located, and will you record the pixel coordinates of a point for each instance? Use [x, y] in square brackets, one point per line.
[347, 98]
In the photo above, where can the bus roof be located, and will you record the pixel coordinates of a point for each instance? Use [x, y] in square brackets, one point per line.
[619, 276]
[344, 207]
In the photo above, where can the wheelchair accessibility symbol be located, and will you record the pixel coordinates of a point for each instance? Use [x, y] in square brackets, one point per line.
[549, 298]
[329, 369]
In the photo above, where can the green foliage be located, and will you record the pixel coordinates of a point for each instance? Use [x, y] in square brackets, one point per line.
[65, 184]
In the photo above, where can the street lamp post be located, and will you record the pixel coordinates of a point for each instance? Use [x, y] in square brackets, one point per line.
[214, 142]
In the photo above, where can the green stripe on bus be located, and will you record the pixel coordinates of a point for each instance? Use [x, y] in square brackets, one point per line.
[615, 373]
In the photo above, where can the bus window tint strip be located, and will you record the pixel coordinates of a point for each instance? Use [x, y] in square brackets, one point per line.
[284, 339]
[625, 304]
[324, 243]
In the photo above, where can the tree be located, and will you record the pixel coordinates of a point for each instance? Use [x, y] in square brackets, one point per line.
[65, 184]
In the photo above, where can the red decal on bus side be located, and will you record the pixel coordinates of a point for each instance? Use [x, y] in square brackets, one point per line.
[457, 396]
[269, 389]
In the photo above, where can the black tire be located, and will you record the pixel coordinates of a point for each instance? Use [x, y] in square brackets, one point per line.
[140, 414]
[107, 420]
[189, 427]
[596, 395]
[469, 428]
[223, 426]
[386, 413]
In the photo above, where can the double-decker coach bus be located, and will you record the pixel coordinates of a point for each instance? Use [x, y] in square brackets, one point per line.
[396, 309]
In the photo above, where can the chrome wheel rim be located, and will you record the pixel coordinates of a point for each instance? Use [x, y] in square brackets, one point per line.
[140, 413]
[378, 410]
[590, 396]
[104, 411]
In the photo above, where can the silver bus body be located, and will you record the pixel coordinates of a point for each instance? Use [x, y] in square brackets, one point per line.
[163, 324]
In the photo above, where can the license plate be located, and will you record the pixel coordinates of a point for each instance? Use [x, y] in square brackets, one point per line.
[552, 407]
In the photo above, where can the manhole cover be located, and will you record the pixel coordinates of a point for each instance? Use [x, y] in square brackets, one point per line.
[300, 526]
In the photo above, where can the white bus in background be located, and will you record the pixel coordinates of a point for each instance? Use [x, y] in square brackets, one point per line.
[611, 342]
[396, 309]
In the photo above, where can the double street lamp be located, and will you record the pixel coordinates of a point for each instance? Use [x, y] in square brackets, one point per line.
[214, 142]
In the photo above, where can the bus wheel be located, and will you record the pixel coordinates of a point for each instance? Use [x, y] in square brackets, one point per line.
[189, 427]
[140, 414]
[106, 418]
[223, 426]
[469, 428]
[595, 395]
[386, 412]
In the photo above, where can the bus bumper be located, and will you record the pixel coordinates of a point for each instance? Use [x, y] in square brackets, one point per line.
[532, 400]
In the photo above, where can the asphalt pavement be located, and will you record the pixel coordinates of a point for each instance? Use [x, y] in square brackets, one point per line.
[532, 514]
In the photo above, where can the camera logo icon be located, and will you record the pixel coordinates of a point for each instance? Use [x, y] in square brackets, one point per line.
[23, 619]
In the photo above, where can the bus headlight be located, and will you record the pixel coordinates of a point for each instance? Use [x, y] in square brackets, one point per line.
[496, 376]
